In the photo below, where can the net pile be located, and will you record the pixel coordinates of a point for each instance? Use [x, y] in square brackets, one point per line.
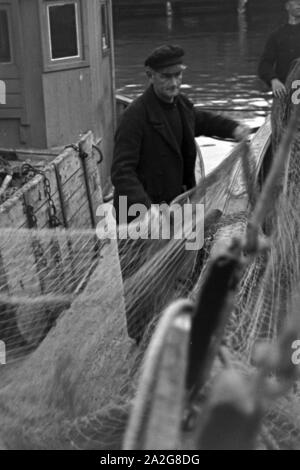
[271, 283]
[68, 302]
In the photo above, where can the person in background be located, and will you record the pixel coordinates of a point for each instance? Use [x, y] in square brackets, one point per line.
[282, 48]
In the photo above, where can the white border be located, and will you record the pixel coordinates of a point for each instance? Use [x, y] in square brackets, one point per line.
[78, 56]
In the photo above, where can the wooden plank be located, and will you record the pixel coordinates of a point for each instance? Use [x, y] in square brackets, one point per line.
[41, 267]
[75, 199]
[34, 191]
[77, 180]
[72, 180]
[162, 383]
[74, 185]
[19, 263]
[67, 163]
[3, 277]
[9, 330]
[35, 277]
[12, 212]
[94, 170]
[74, 193]
[42, 213]
[13, 101]
[164, 424]
[73, 116]
[10, 113]
[85, 150]
[81, 218]
[34, 196]
[74, 188]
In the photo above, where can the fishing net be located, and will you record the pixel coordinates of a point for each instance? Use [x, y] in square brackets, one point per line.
[77, 311]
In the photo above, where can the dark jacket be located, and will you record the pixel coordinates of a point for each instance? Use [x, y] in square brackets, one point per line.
[148, 165]
[282, 48]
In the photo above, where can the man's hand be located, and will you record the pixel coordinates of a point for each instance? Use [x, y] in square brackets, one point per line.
[278, 88]
[241, 133]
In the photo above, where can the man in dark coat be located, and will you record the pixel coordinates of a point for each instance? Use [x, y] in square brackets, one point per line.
[155, 152]
[282, 48]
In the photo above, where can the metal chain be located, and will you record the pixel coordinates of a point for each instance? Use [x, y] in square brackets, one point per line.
[41, 260]
[28, 172]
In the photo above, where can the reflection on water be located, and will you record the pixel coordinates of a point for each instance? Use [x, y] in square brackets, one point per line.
[221, 53]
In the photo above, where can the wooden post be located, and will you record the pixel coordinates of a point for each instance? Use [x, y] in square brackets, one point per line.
[155, 421]
[164, 423]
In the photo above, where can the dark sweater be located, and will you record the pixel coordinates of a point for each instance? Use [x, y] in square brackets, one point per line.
[282, 48]
[172, 114]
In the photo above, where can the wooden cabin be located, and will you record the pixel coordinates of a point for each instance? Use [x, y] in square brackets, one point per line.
[57, 122]
[57, 74]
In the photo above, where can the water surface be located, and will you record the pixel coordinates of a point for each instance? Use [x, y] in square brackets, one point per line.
[222, 53]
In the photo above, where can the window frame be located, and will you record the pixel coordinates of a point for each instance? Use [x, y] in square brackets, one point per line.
[7, 7]
[78, 39]
[64, 63]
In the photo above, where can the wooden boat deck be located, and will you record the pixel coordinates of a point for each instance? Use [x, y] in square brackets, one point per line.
[32, 262]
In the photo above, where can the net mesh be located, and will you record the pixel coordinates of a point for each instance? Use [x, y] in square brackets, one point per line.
[72, 307]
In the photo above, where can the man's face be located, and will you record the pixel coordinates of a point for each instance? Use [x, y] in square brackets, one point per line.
[167, 82]
[293, 7]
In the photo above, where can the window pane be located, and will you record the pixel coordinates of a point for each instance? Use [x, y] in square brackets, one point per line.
[63, 31]
[4, 38]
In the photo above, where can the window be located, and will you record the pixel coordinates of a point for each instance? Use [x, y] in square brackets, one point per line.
[64, 29]
[105, 36]
[5, 51]
[63, 21]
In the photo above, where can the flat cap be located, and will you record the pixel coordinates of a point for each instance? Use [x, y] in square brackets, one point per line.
[165, 56]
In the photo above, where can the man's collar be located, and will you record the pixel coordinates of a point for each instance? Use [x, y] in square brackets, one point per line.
[151, 98]
[169, 104]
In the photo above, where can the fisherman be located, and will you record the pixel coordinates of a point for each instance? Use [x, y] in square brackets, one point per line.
[155, 152]
[282, 48]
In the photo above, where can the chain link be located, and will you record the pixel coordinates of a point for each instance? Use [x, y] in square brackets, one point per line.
[28, 172]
